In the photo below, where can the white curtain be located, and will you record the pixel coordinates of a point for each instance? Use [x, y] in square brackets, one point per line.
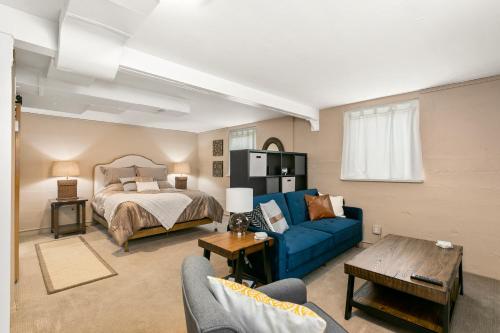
[383, 143]
[243, 138]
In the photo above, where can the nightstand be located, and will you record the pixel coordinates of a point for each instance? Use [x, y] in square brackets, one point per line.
[78, 227]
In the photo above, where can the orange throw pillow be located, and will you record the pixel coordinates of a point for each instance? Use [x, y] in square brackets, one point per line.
[319, 207]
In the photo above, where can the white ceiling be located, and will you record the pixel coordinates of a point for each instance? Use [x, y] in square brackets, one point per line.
[327, 52]
[48, 9]
[320, 53]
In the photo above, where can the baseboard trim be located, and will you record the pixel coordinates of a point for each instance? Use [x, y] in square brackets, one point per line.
[43, 230]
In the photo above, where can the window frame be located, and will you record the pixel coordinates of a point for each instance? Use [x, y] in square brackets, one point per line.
[382, 180]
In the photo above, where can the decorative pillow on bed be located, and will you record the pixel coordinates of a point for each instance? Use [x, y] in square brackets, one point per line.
[129, 184]
[260, 313]
[274, 217]
[257, 219]
[156, 173]
[113, 175]
[149, 187]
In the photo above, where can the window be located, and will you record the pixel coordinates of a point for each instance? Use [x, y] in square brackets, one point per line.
[382, 143]
[242, 138]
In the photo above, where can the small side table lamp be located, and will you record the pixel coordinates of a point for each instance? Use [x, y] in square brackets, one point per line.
[239, 200]
[182, 169]
[66, 188]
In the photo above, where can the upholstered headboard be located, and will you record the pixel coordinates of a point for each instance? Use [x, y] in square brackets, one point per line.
[121, 162]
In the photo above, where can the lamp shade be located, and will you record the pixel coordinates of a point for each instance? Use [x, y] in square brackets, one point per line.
[65, 169]
[239, 200]
[182, 168]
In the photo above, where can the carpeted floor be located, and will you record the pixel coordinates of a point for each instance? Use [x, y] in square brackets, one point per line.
[145, 296]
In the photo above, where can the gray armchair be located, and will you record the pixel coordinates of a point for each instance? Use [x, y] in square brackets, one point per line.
[205, 314]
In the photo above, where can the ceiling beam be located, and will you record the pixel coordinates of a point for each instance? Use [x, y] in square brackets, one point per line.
[104, 90]
[146, 64]
[92, 34]
[41, 36]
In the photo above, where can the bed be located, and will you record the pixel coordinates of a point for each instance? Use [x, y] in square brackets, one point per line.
[129, 215]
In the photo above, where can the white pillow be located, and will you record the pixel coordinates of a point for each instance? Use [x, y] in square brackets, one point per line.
[258, 312]
[338, 205]
[147, 187]
[337, 202]
[129, 184]
[274, 217]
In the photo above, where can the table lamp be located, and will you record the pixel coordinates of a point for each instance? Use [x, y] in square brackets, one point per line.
[66, 188]
[239, 200]
[182, 169]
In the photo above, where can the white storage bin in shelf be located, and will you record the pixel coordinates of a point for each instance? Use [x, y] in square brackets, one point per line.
[258, 164]
[287, 184]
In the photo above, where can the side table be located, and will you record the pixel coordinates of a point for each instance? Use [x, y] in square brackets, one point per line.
[234, 248]
[79, 226]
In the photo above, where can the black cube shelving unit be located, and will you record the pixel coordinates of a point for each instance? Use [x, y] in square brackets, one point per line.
[263, 170]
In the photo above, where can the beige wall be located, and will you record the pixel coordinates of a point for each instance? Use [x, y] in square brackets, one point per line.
[460, 198]
[45, 139]
[281, 128]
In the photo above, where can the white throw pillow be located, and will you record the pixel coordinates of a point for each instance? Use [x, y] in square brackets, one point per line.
[258, 312]
[337, 202]
[151, 187]
[274, 217]
[129, 184]
[338, 205]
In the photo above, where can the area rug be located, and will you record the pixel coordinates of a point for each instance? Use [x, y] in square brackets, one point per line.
[70, 262]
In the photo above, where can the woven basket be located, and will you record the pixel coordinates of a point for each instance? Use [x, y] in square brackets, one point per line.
[66, 189]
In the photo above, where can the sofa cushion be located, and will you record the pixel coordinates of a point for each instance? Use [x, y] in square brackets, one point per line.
[342, 229]
[297, 205]
[304, 244]
[280, 200]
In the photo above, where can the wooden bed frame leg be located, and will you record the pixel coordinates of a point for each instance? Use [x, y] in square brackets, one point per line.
[125, 246]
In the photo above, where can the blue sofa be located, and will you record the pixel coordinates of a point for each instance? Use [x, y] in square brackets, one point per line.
[309, 244]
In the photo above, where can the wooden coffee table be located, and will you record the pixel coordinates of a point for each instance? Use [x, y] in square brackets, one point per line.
[234, 248]
[391, 294]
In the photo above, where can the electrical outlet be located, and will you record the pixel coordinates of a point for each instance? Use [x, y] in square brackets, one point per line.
[377, 229]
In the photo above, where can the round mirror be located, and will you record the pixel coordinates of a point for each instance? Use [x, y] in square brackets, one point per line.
[273, 144]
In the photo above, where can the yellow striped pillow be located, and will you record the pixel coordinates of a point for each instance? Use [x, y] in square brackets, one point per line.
[258, 312]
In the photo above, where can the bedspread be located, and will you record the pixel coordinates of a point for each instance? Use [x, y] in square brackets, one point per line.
[130, 217]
